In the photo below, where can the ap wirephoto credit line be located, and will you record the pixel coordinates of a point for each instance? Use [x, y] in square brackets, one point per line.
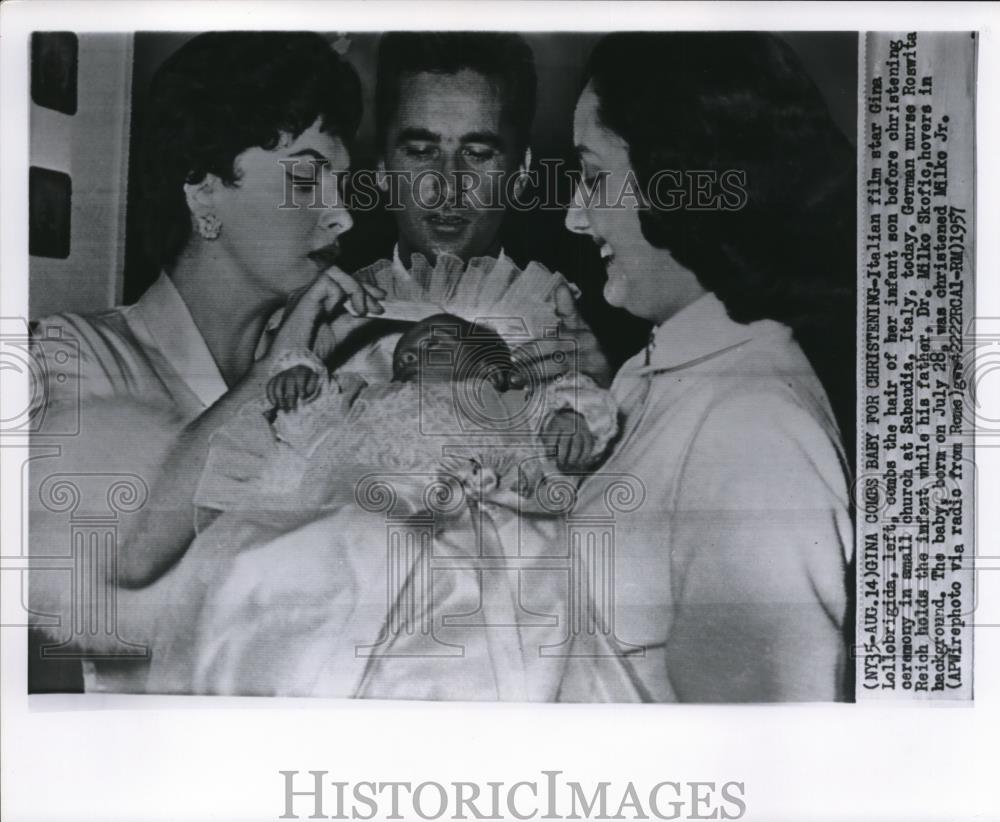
[916, 592]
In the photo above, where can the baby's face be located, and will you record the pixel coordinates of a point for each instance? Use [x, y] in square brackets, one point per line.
[429, 351]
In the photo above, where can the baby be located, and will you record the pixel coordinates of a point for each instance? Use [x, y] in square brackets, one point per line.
[444, 350]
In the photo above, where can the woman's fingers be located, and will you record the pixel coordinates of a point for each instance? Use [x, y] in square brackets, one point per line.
[299, 387]
[294, 390]
[300, 320]
[312, 383]
[566, 308]
[588, 356]
[575, 348]
[375, 297]
[324, 296]
[364, 298]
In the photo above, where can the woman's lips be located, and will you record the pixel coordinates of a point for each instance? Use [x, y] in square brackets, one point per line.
[326, 256]
[616, 287]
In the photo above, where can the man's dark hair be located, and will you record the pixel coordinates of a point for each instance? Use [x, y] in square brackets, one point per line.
[222, 93]
[738, 101]
[503, 58]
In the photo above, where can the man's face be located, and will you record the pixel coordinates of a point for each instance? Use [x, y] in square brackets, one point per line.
[449, 156]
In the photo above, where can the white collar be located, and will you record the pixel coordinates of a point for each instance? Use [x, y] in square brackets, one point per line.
[173, 329]
[697, 332]
[398, 267]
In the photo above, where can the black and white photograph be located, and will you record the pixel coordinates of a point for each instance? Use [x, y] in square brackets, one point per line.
[585, 444]
[371, 367]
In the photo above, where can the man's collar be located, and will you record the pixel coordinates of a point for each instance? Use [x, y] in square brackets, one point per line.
[169, 322]
[698, 332]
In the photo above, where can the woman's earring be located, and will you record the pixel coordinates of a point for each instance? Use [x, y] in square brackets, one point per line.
[209, 226]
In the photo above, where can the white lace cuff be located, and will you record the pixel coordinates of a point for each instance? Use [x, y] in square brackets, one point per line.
[303, 356]
[578, 392]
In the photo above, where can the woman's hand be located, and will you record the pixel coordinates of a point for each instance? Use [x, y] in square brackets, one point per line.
[327, 297]
[574, 349]
[164, 528]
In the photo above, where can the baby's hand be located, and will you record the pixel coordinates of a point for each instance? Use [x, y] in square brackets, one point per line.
[567, 431]
[296, 384]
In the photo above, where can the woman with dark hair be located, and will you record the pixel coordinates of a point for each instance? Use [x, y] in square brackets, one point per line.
[246, 141]
[730, 576]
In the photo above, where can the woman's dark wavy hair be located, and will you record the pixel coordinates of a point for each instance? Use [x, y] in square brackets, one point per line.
[222, 93]
[689, 101]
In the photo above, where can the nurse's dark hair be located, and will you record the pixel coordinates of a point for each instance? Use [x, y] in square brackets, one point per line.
[502, 57]
[222, 93]
[741, 101]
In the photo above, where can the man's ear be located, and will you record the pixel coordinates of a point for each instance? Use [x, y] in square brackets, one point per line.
[381, 179]
[201, 196]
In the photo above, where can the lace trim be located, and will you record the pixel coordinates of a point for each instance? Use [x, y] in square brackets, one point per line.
[295, 357]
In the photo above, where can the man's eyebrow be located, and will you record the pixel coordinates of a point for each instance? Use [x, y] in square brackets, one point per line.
[421, 134]
[488, 138]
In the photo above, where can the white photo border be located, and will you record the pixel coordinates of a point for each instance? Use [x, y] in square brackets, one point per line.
[147, 757]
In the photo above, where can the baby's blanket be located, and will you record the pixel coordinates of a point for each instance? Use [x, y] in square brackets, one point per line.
[358, 603]
[466, 596]
[429, 560]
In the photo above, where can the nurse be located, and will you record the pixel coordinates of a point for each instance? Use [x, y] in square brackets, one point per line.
[730, 581]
